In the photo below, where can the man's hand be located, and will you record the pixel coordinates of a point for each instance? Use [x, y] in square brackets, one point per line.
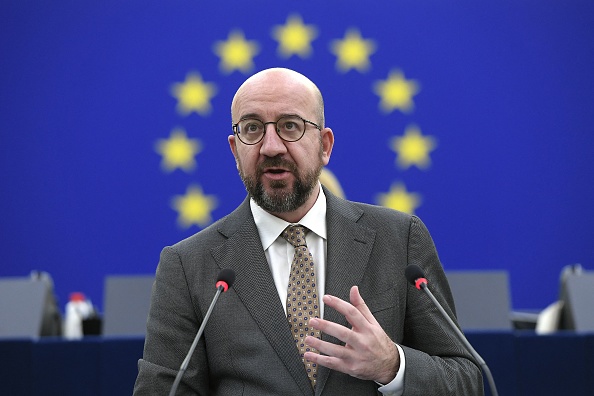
[368, 352]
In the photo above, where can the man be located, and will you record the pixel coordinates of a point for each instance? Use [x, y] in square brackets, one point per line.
[370, 332]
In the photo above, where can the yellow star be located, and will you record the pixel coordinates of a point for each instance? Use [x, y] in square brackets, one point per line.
[413, 148]
[353, 51]
[178, 151]
[396, 92]
[236, 53]
[400, 199]
[194, 207]
[193, 95]
[294, 37]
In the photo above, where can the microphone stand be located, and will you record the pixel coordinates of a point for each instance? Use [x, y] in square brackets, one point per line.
[186, 361]
[463, 339]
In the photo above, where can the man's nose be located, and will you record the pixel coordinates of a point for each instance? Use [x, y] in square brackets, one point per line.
[272, 144]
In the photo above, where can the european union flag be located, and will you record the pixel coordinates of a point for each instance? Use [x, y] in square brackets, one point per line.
[476, 117]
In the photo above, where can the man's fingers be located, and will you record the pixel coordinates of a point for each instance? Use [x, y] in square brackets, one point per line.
[327, 348]
[367, 353]
[333, 356]
[359, 303]
[331, 328]
[323, 360]
[357, 313]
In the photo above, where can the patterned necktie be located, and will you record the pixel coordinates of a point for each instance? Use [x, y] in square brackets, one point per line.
[302, 296]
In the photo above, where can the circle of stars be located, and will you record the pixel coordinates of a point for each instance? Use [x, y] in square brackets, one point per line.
[353, 52]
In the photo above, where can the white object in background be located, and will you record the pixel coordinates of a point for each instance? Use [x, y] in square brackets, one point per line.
[77, 309]
[549, 318]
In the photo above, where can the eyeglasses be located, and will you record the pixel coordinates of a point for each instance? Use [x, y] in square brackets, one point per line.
[289, 128]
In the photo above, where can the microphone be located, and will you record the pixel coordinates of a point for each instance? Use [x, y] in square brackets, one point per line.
[224, 282]
[415, 276]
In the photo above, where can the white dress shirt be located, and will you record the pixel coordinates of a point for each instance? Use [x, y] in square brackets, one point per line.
[279, 254]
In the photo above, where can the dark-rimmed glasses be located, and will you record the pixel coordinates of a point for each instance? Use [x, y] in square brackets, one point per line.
[289, 128]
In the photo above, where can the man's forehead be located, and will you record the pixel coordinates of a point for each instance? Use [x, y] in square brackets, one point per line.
[273, 83]
[279, 74]
[286, 96]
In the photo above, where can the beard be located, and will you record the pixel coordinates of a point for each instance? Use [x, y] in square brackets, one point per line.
[281, 199]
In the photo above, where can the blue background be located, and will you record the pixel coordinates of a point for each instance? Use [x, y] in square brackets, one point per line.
[506, 89]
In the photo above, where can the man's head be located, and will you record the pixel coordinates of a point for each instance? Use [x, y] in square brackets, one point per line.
[281, 176]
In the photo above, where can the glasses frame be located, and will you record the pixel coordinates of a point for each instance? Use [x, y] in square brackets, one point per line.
[305, 122]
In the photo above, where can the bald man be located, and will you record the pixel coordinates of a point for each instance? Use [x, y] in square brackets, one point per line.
[362, 330]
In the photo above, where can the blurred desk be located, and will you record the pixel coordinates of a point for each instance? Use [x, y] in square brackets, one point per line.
[52, 366]
[522, 363]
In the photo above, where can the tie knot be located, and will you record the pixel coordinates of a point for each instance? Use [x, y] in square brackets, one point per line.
[295, 235]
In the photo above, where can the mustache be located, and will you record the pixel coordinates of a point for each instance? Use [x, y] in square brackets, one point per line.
[277, 161]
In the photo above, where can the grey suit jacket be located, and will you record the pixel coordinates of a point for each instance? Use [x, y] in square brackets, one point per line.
[247, 347]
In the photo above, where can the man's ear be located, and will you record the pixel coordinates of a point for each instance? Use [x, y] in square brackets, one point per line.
[327, 144]
[233, 147]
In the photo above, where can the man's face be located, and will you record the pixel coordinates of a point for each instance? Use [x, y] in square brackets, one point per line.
[279, 175]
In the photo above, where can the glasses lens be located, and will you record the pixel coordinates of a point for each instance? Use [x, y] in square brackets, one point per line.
[250, 130]
[291, 128]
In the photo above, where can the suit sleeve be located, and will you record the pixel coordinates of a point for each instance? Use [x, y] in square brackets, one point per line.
[433, 354]
[171, 327]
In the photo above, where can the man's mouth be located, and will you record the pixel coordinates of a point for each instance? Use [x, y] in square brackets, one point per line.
[275, 170]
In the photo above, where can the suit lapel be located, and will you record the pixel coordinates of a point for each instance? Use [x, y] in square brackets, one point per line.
[349, 247]
[254, 285]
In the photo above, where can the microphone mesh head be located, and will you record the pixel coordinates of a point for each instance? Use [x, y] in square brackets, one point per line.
[412, 273]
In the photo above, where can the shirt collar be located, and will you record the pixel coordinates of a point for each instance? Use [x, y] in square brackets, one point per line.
[270, 226]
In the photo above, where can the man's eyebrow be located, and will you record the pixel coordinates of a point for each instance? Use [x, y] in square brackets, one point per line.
[250, 115]
[258, 117]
